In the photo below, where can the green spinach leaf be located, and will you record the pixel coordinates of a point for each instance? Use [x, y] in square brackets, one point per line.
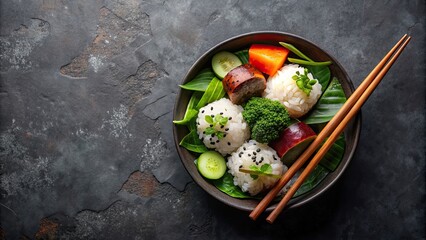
[243, 55]
[200, 82]
[191, 112]
[322, 73]
[193, 143]
[315, 178]
[213, 92]
[333, 156]
[329, 103]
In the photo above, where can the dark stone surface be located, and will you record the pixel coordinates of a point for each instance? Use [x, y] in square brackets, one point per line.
[87, 90]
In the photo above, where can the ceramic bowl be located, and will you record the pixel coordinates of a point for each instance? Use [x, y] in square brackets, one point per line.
[243, 42]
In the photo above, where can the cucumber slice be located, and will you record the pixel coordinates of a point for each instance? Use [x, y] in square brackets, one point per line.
[223, 62]
[211, 165]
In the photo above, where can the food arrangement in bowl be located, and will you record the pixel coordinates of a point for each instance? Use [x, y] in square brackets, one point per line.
[250, 106]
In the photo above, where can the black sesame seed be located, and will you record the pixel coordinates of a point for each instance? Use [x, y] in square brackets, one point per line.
[257, 163]
[212, 143]
[211, 108]
[212, 115]
[202, 111]
[211, 139]
[221, 113]
[261, 158]
[244, 148]
[274, 158]
[241, 166]
[260, 161]
[254, 158]
[204, 132]
[211, 125]
[254, 153]
[241, 153]
[224, 135]
[198, 123]
[249, 155]
[217, 141]
[230, 118]
[222, 126]
[213, 134]
[258, 150]
[229, 144]
[226, 129]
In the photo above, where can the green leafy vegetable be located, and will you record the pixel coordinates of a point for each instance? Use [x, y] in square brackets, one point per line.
[218, 120]
[315, 178]
[266, 118]
[213, 92]
[329, 103]
[333, 156]
[243, 55]
[304, 82]
[322, 74]
[193, 143]
[191, 112]
[226, 185]
[303, 62]
[200, 82]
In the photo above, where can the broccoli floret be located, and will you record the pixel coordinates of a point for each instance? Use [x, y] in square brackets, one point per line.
[266, 118]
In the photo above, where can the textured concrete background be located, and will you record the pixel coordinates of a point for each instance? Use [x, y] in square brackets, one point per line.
[86, 97]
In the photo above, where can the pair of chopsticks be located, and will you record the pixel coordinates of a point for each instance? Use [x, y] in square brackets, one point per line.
[332, 130]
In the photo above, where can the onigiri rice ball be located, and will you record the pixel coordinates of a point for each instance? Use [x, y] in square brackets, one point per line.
[235, 132]
[254, 153]
[283, 88]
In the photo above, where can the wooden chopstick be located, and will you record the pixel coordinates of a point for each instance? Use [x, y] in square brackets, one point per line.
[328, 129]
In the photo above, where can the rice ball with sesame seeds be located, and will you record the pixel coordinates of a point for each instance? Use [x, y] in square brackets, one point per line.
[220, 125]
[257, 154]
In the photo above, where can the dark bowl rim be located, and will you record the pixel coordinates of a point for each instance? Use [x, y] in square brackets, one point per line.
[357, 126]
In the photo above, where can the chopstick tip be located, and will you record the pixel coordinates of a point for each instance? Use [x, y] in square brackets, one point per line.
[270, 220]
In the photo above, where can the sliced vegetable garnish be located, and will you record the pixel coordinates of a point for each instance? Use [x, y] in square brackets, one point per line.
[213, 92]
[333, 157]
[267, 58]
[193, 143]
[217, 120]
[303, 82]
[191, 112]
[243, 55]
[200, 82]
[211, 165]
[309, 63]
[223, 62]
[329, 103]
[296, 51]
